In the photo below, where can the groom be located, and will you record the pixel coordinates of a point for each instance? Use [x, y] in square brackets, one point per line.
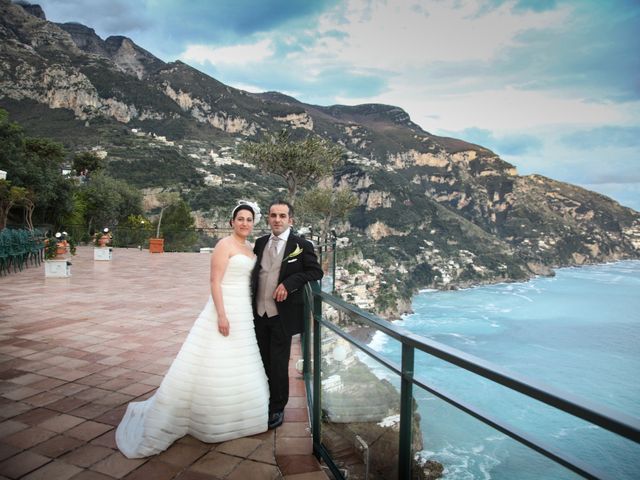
[285, 263]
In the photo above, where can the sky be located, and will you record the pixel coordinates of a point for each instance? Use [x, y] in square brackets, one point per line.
[552, 86]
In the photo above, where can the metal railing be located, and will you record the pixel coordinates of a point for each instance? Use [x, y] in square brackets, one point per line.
[604, 417]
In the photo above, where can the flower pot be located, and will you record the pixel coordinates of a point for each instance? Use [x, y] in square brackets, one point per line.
[103, 240]
[62, 248]
[156, 245]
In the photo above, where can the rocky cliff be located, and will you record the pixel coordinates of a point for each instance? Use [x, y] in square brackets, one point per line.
[433, 211]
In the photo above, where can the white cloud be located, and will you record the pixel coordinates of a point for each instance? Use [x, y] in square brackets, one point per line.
[234, 55]
[497, 110]
[398, 34]
[248, 87]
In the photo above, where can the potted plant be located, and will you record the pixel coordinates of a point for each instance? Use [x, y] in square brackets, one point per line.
[56, 251]
[101, 250]
[165, 199]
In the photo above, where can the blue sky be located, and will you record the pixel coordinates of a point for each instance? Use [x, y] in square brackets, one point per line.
[552, 86]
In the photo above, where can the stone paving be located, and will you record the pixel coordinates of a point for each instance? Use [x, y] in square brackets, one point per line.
[75, 351]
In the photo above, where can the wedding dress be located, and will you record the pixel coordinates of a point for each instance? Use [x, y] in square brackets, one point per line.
[216, 388]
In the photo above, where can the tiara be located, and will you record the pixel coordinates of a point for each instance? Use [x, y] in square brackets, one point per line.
[254, 207]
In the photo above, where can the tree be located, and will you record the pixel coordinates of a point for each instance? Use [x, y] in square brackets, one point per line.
[26, 199]
[179, 234]
[166, 199]
[86, 163]
[327, 205]
[35, 164]
[11, 143]
[7, 199]
[133, 231]
[298, 162]
[11, 196]
[75, 220]
[108, 200]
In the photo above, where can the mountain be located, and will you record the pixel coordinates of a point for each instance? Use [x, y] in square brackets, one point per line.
[433, 211]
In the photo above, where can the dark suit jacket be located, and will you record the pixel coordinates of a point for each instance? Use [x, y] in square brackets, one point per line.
[294, 273]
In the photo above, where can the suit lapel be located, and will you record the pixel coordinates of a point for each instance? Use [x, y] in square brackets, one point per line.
[260, 245]
[292, 242]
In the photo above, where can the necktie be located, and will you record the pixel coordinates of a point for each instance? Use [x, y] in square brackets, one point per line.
[274, 247]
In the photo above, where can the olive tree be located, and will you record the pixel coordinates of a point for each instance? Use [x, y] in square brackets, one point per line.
[299, 163]
[327, 205]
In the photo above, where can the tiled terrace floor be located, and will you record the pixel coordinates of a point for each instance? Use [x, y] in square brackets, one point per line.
[75, 351]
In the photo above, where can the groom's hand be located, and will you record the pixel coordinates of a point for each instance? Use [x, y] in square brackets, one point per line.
[280, 293]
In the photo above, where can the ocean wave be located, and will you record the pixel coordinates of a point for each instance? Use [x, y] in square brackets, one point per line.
[379, 341]
[519, 295]
[463, 463]
[464, 338]
[566, 431]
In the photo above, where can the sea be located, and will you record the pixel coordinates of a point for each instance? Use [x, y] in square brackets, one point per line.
[578, 332]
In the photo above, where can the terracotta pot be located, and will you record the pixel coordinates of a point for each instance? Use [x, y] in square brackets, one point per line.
[156, 245]
[103, 240]
[62, 247]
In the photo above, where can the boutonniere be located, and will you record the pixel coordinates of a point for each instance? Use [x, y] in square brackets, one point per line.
[293, 254]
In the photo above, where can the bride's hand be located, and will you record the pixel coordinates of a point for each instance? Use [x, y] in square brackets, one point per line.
[223, 326]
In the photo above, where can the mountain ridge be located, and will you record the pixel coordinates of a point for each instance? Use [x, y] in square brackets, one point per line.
[442, 212]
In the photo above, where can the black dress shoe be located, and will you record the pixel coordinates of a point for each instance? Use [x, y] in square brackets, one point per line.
[275, 420]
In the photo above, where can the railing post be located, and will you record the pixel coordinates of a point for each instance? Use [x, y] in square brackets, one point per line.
[306, 336]
[406, 413]
[335, 253]
[317, 366]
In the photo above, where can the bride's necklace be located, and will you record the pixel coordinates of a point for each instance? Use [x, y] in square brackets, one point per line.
[242, 244]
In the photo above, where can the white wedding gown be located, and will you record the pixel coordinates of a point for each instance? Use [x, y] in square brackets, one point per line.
[216, 388]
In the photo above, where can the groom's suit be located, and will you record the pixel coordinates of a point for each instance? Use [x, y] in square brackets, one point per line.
[275, 326]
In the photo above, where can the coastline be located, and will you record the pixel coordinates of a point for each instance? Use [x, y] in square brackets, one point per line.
[400, 313]
[596, 276]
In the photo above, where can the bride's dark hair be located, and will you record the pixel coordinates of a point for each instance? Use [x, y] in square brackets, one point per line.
[242, 206]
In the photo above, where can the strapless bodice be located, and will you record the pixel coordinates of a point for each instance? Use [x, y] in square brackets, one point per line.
[238, 272]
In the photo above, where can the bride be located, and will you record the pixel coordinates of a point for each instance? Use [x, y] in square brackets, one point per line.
[216, 389]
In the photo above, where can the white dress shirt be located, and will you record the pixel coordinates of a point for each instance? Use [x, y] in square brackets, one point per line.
[284, 236]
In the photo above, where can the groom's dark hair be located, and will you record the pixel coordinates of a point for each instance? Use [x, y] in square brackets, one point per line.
[281, 202]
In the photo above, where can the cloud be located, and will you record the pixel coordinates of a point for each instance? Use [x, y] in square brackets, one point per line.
[506, 110]
[167, 27]
[627, 194]
[403, 34]
[601, 137]
[115, 17]
[506, 144]
[593, 55]
[203, 19]
[271, 73]
[234, 55]
[603, 162]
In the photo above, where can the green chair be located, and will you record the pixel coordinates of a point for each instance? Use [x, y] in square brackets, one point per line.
[17, 249]
[35, 246]
[4, 252]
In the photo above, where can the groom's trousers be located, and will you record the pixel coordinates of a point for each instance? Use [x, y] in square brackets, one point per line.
[275, 348]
